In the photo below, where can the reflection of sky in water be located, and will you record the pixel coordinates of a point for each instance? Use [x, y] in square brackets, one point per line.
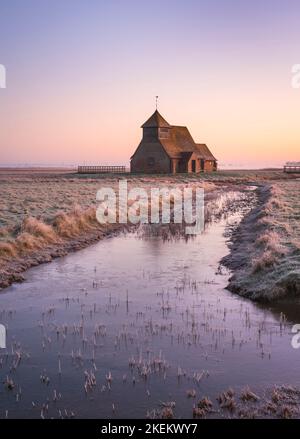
[157, 305]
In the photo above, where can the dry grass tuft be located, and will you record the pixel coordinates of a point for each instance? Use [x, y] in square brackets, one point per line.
[74, 223]
[264, 261]
[167, 413]
[26, 242]
[7, 250]
[248, 395]
[39, 229]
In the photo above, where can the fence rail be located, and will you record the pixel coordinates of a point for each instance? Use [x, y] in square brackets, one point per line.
[292, 167]
[101, 169]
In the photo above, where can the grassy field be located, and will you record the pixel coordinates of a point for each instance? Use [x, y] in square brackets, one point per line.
[44, 214]
[45, 194]
[47, 197]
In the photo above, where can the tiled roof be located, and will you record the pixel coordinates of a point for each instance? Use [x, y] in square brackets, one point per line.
[205, 151]
[181, 142]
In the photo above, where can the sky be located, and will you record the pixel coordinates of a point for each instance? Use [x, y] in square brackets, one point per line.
[82, 76]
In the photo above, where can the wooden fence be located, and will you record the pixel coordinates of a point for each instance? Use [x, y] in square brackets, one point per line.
[101, 169]
[292, 167]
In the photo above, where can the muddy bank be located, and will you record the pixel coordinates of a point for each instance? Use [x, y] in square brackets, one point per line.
[263, 256]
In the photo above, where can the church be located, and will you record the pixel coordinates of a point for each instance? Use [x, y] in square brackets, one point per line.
[170, 149]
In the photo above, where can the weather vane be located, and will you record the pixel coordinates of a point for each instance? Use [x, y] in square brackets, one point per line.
[156, 101]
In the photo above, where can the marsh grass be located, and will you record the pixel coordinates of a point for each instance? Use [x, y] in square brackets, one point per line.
[265, 250]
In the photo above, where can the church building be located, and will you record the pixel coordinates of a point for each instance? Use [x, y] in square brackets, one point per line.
[166, 149]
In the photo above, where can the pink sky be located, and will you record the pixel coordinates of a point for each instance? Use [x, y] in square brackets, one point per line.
[81, 81]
